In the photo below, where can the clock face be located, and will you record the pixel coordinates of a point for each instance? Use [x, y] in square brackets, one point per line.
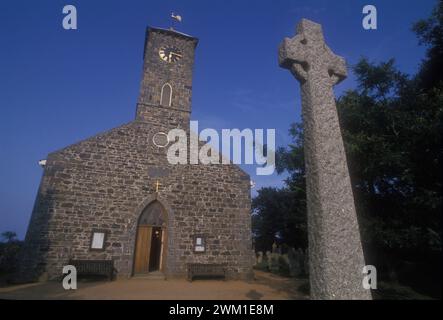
[170, 54]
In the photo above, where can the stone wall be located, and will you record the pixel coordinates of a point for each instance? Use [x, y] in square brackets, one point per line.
[106, 181]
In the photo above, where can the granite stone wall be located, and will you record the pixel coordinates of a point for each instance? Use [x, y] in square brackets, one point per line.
[106, 181]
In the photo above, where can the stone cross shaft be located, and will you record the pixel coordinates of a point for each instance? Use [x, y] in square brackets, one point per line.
[335, 253]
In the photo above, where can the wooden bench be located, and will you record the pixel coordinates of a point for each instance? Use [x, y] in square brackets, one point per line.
[94, 267]
[206, 270]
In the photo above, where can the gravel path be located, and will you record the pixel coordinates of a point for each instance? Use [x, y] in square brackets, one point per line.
[265, 286]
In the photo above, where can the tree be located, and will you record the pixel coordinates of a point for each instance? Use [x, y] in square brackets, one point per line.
[9, 236]
[280, 214]
[392, 139]
[278, 218]
[9, 250]
[430, 33]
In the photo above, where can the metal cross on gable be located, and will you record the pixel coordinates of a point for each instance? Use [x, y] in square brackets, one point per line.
[157, 186]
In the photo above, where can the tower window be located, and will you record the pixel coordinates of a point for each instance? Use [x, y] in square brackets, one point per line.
[166, 95]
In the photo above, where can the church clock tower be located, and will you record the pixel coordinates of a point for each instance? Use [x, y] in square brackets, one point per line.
[166, 87]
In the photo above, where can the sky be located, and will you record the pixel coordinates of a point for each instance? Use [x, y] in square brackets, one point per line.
[60, 86]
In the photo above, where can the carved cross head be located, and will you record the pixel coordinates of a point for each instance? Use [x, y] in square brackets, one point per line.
[307, 53]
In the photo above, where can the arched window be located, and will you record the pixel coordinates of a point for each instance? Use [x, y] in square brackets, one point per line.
[166, 95]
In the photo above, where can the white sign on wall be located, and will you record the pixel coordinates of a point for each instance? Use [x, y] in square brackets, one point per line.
[98, 240]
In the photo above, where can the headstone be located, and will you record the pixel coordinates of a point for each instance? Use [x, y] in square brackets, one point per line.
[260, 257]
[335, 253]
[274, 247]
[272, 261]
[284, 267]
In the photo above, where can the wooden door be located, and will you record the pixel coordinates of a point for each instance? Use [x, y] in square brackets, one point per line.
[164, 250]
[143, 248]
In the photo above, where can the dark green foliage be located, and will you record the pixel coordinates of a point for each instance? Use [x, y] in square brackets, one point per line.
[283, 266]
[9, 250]
[394, 156]
[278, 218]
[280, 214]
[430, 33]
[262, 265]
[9, 236]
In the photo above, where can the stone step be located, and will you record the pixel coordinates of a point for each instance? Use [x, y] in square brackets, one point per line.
[149, 276]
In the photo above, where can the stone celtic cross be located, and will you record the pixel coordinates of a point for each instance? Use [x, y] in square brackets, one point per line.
[335, 253]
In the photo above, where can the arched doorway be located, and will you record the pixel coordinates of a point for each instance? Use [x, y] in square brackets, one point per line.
[150, 245]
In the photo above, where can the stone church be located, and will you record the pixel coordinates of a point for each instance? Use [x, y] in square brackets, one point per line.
[116, 197]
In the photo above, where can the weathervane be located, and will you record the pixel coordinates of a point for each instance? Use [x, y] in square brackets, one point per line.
[175, 18]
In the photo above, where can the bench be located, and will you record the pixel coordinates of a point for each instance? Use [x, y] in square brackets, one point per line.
[94, 267]
[206, 270]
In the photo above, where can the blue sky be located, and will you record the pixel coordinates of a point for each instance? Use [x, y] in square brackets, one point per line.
[59, 87]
